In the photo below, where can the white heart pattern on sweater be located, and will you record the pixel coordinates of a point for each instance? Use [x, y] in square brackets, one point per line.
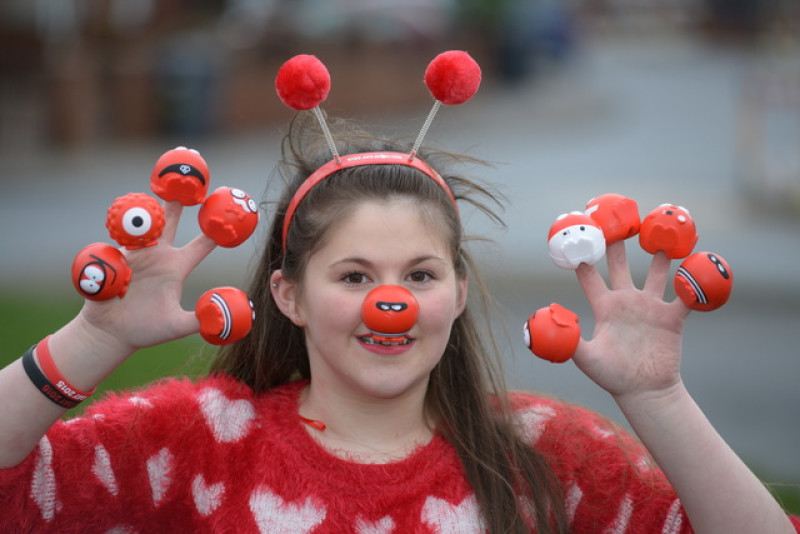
[103, 471]
[43, 485]
[573, 499]
[228, 420]
[623, 518]
[383, 526]
[674, 521]
[159, 468]
[207, 498]
[446, 518]
[530, 422]
[273, 515]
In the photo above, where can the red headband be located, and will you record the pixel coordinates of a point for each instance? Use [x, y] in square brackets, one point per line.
[356, 160]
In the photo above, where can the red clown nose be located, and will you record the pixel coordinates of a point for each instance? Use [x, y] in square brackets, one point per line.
[390, 311]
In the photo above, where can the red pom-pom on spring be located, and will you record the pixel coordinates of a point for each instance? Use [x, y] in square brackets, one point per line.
[303, 82]
[453, 77]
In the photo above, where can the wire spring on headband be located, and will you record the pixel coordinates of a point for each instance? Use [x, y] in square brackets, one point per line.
[424, 130]
[328, 137]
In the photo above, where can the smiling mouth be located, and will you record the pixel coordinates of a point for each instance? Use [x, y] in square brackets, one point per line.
[386, 341]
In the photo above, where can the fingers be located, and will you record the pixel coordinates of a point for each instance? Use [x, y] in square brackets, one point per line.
[172, 214]
[591, 281]
[196, 251]
[683, 311]
[581, 351]
[657, 276]
[619, 273]
[186, 324]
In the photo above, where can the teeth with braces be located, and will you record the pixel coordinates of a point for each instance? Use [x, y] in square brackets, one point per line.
[369, 340]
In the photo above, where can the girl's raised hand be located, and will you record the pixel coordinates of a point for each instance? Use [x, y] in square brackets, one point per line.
[151, 312]
[636, 344]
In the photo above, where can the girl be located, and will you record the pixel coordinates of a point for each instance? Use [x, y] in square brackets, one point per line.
[314, 424]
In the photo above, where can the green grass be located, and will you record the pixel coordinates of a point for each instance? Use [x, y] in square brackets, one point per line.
[26, 320]
[788, 495]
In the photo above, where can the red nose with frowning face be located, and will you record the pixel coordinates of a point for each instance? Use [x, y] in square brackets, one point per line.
[390, 310]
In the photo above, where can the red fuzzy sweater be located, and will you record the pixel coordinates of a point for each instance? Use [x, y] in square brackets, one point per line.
[212, 457]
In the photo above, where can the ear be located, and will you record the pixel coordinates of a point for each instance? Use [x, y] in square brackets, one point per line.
[285, 293]
[461, 297]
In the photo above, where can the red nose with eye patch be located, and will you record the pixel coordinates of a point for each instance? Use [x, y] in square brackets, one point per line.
[389, 310]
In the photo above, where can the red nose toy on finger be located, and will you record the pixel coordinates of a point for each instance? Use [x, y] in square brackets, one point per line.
[389, 312]
[574, 239]
[181, 174]
[226, 315]
[703, 281]
[669, 229]
[616, 215]
[100, 272]
[228, 216]
[135, 221]
[552, 333]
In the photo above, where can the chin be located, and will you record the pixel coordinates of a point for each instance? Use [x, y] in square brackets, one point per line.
[389, 386]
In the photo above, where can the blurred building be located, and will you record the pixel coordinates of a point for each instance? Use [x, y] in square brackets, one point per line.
[75, 72]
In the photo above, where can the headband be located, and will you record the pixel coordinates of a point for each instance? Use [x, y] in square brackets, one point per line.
[303, 82]
[356, 160]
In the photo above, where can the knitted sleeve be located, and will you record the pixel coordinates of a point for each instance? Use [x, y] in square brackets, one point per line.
[116, 465]
[610, 482]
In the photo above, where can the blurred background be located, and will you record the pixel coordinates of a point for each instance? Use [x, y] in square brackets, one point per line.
[693, 102]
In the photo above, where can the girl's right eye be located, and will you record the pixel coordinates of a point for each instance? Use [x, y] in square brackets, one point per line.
[354, 278]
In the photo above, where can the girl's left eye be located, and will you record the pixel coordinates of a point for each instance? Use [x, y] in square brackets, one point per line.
[420, 277]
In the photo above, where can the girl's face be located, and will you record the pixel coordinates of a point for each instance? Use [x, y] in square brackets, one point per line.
[379, 243]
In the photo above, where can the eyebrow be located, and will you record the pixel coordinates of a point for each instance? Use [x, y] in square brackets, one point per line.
[366, 263]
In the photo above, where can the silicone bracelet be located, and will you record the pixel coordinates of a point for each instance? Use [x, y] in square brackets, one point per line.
[42, 384]
[53, 375]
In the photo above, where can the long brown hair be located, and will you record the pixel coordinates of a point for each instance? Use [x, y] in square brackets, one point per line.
[467, 393]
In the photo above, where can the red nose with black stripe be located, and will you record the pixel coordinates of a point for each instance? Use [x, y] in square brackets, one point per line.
[390, 310]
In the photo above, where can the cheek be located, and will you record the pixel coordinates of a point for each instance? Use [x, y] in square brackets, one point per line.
[332, 312]
[439, 310]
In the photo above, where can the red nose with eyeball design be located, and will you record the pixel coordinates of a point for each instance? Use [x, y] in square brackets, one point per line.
[703, 281]
[226, 315]
[390, 310]
[552, 333]
[135, 220]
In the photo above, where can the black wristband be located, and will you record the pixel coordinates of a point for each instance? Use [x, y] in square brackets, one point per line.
[42, 383]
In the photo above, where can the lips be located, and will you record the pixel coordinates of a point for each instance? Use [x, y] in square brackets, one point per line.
[386, 345]
[386, 341]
